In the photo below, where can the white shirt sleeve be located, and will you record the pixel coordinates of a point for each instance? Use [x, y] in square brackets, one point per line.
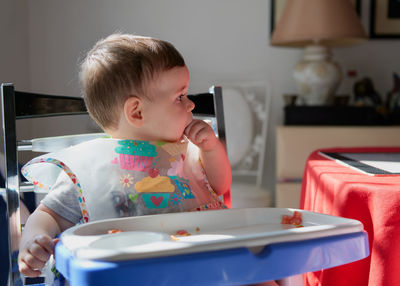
[63, 199]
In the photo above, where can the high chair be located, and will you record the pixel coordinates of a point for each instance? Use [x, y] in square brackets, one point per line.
[25, 105]
[226, 247]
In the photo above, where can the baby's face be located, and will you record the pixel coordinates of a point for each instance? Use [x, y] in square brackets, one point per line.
[168, 111]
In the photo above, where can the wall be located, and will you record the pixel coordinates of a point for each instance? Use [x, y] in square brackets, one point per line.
[224, 40]
[14, 50]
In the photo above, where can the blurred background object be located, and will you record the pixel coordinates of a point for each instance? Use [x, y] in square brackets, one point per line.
[318, 25]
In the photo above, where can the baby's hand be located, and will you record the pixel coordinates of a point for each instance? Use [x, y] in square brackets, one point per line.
[34, 254]
[201, 134]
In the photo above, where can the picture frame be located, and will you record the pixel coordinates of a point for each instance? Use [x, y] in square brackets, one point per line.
[277, 7]
[384, 19]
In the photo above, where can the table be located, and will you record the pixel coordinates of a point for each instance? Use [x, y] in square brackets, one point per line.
[336, 189]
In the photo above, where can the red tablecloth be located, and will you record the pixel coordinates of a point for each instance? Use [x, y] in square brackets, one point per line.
[331, 188]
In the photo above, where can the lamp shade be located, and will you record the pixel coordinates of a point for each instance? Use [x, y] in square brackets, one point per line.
[324, 22]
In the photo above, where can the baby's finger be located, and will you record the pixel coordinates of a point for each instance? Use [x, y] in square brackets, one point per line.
[45, 242]
[189, 127]
[195, 129]
[201, 135]
[33, 262]
[39, 252]
[28, 271]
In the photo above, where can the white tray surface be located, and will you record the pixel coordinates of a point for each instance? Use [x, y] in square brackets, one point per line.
[150, 236]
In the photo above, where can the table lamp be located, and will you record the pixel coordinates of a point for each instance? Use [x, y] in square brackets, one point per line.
[317, 25]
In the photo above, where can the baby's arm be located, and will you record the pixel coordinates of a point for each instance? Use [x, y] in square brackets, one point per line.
[37, 242]
[213, 155]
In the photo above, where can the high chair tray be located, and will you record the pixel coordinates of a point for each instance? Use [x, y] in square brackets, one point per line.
[224, 247]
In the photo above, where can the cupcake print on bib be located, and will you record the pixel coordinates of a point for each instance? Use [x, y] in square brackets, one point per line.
[135, 155]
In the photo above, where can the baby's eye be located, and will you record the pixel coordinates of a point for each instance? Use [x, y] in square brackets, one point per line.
[181, 97]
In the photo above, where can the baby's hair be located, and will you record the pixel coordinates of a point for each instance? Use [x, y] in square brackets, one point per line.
[121, 66]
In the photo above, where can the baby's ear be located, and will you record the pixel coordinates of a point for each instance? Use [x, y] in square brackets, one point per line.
[133, 111]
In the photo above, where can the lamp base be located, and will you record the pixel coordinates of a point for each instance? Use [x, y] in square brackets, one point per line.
[317, 76]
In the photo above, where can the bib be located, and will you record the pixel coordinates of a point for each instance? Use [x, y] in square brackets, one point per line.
[119, 178]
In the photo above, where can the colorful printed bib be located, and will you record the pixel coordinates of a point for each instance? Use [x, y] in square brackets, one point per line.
[118, 178]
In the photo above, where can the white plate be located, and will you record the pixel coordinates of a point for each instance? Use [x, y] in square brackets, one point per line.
[210, 230]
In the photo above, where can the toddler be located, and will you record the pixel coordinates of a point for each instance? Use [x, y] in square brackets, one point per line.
[155, 158]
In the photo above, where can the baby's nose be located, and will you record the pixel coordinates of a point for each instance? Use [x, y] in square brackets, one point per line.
[190, 105]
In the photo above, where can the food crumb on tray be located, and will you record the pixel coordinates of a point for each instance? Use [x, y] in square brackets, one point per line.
[182, 232]
[178, 233]
[114, 231]
[295, 220]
